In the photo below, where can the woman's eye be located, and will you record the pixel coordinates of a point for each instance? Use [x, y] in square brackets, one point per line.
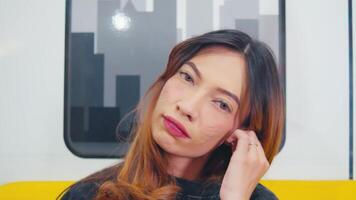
[224, 106]
[186, 77]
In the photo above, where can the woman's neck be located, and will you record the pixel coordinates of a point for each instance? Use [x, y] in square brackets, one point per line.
[186, 168]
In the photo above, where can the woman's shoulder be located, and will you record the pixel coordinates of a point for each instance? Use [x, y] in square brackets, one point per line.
[263, 193]
[260, 193]
[194, 190]
[89, 186]
[81, 191]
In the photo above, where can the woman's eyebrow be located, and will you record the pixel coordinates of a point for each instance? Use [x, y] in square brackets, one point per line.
[219, 89]
[230, 94]
[194, 67]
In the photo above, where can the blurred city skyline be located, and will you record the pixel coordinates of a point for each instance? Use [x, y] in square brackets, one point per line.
[119, 47]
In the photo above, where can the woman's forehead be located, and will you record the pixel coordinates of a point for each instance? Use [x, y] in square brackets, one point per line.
[220, 67]
[221, 57]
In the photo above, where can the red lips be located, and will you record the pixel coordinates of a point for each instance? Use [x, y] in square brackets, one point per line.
[170, 121]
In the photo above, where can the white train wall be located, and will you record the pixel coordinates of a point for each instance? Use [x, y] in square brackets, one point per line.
[320, 118]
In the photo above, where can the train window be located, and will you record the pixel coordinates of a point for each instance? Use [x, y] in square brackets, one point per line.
[116, 48]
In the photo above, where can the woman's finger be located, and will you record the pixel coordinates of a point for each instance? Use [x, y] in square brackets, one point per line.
[242, 142]
[258, 149]
[253, 151]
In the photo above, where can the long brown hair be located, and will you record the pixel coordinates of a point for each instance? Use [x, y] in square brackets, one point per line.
[143, 173]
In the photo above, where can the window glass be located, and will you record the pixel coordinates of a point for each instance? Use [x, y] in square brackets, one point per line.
[115, 50]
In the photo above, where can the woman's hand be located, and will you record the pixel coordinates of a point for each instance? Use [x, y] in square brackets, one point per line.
[247, 166]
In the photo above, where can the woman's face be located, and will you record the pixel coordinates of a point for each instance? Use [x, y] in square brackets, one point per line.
[203, 97]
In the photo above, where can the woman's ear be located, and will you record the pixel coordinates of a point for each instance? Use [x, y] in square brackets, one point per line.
[232, 138]
[231, 141]
[228, 139]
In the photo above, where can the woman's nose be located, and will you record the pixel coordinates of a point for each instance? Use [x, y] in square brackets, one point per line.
[188, 108]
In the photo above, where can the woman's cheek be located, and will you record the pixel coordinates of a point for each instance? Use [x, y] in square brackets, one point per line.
[218, 124]
[173, 90]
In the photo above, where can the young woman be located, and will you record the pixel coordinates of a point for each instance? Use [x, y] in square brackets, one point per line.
[208, 127]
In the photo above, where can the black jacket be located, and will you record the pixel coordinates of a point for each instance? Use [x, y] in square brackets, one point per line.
[190, 191]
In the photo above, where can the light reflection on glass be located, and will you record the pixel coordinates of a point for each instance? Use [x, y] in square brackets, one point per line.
[121, 21]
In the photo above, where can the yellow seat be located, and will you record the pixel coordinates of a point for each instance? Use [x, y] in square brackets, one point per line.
[312, 190]
[33, 190]
[289, 190]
